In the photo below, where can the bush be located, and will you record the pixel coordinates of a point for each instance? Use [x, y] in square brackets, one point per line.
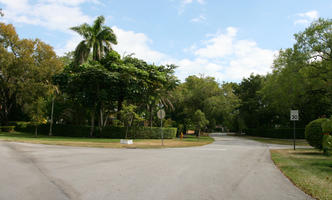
[314, 133]
[7, 128]
[107, 132]
[282, 133]
[327, 143]
[327, 126]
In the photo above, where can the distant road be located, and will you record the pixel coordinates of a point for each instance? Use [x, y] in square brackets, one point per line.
[229, 168]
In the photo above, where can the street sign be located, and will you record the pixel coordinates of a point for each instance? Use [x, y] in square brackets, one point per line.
[294, 115]
[161, 114]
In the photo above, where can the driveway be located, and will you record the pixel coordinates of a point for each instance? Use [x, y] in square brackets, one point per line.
[229, 168]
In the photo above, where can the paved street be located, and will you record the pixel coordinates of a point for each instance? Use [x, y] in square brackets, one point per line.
[230, 168]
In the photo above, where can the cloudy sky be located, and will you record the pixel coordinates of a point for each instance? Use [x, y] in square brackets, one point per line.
[225, 39]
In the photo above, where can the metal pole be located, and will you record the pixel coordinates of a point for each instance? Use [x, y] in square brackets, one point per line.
[162, 133]
[294, 134]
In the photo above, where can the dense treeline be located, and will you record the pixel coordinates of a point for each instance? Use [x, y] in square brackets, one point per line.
[301, 80]
[95, 86]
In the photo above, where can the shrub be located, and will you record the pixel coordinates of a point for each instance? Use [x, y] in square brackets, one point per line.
[327, 143]
[313, 133]
[107, 132]
[7, 128]
[327, 126]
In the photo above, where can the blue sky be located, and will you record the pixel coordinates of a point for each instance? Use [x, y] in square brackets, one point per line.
[225, 39]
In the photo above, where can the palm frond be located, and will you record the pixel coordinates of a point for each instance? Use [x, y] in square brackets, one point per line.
[84, 30]
[81, 53]
[107, 34]
[97, 24]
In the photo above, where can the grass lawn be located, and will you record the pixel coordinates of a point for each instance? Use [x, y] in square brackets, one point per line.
[309, 169]
[300, 142]
[103, 142]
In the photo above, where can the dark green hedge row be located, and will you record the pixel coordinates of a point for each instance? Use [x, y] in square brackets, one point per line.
[282, 133]
[107, 132]
[7, 128]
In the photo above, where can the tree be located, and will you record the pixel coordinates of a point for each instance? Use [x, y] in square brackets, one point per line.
[1, 12]
[36, 110]
[27, 67]
[54, 90]
[218, 102]
[128, 115]
[200, 121]
[88, 85]
[97, 38]
[302, 75]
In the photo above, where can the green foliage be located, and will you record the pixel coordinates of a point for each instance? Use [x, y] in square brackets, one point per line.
[217, 102]
[327, 126]
[27, 67]
[36, 111]
[96, 37]
[129, 116]
[327, 143]
[107, 132]
[314, 133]
[199, 120]
[7, 128]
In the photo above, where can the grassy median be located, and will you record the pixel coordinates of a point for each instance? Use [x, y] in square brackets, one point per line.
[308, 169]
[103, 142]
[300, 142]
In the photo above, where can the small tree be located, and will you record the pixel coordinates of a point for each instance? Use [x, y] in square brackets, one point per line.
[37, 110]
[200, 121]
[128, 115]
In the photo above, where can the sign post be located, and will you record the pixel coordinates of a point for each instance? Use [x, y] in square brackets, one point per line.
[294, 116]
[161, 115]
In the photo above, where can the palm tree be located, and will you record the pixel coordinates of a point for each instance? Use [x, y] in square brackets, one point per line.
[96, 37]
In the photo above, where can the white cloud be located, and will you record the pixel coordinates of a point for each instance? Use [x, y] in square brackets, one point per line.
[310, 14]
[70, 45]
[198, 66]
[137, 43]
[200, 18]
[129, 42]
[218, 46]
[184, 3]
[201, 1]
[52, 14]
[306, 18]
[226, 58]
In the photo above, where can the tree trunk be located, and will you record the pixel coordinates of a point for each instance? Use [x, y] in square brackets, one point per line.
[120, 102]
[101, 120]
[199, 133]
[151, 116]
[92, 123]
[51, 124]
[36, 127]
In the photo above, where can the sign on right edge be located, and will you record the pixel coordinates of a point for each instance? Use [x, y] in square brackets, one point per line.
[294, 115]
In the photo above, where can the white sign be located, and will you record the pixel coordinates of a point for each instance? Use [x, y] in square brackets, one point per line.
[294, 115]
[161, 114]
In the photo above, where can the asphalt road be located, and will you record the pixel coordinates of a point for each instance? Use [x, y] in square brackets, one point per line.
[230, 168]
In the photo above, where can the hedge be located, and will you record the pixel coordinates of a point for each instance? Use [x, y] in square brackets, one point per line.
[314, 133]
[107, 132]
[7, 128]
[282, 133]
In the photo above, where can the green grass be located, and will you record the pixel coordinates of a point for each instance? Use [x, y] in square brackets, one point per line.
[102, 142]
[309, 169]
[300, 142]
